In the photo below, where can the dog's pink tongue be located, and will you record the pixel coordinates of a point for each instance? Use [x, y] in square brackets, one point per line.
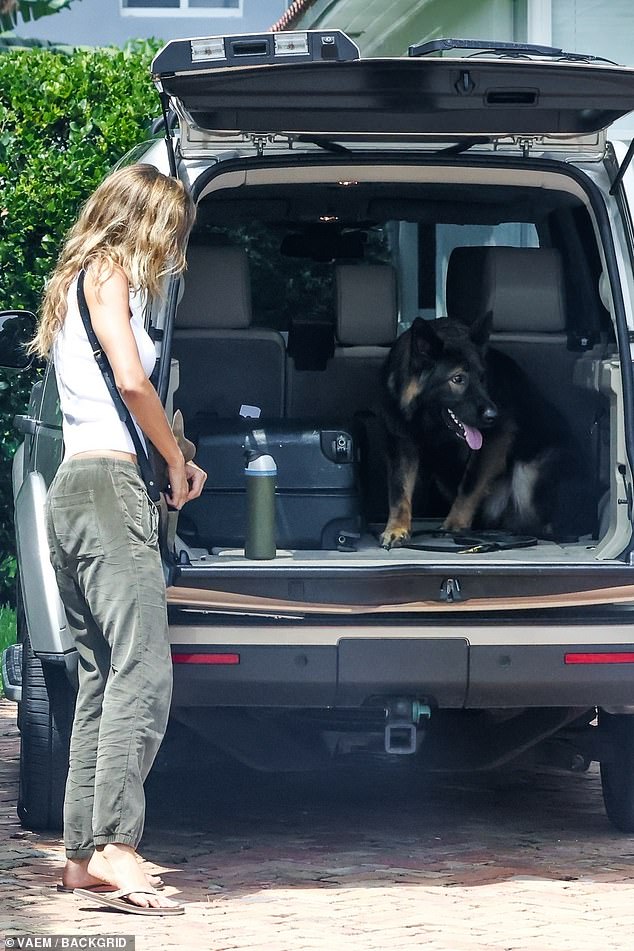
[473, 436]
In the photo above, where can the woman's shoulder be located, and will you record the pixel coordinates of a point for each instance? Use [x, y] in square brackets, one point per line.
[106, 271]
[106, 283]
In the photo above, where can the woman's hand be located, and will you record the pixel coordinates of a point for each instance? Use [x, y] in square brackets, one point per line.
[186, 481]
[178, 484]
[196, 478]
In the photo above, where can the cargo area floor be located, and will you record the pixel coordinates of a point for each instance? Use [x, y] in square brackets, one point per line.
[367, 552]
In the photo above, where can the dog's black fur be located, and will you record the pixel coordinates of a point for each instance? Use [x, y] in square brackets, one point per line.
[445, 389]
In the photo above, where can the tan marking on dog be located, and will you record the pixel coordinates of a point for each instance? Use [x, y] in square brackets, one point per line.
[410, 393]
[491, 462]
[399, 524]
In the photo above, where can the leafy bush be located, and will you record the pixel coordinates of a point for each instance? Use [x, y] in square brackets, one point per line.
[12, 11]
[64, 121]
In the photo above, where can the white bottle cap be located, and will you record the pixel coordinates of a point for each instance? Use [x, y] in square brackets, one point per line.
[261, 465]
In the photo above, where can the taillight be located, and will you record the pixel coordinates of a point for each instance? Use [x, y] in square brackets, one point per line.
[603, 657]
[205, 658]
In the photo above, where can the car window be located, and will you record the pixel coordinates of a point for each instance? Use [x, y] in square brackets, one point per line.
[424, 250]
[286, 278]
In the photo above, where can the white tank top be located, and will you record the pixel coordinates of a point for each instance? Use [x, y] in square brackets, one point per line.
[89, 417]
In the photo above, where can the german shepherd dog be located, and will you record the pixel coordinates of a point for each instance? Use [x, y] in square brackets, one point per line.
[466, 418]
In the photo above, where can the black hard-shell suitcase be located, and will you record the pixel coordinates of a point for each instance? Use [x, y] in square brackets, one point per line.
[317, 495]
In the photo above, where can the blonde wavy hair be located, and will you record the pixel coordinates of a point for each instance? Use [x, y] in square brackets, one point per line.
[138, 219]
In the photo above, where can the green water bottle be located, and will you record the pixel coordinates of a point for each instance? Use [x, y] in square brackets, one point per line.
[261, 476]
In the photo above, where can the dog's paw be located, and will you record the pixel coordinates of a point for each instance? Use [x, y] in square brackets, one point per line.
[394, 537]
[456, 525]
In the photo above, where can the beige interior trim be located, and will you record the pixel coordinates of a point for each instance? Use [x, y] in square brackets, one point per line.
[328, 174]
[248, 604]
[300, 635]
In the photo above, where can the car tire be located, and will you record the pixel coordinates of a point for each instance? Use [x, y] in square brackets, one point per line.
[617, 773]
[46, 718]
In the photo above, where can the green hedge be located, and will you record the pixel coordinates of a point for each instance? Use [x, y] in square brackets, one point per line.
[65, 119]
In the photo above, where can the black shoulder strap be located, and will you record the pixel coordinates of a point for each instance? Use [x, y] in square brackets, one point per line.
[123, 412]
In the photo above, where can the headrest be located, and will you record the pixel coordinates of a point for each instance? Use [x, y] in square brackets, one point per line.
[522, 288]
[217, 292]
[464, 284]
[367, 311]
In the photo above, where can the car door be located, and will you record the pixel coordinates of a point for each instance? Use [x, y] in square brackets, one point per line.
[322, 87]
[42, 428]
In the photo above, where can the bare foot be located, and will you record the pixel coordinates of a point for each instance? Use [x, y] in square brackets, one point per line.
[76, 874]
[124, 871]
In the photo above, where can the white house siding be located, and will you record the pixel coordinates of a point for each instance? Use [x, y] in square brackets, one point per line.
[603, 28]
[100, 23]
[590, 26]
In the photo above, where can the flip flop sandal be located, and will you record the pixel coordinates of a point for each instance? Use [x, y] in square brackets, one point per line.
[158, 885]
[119, 900]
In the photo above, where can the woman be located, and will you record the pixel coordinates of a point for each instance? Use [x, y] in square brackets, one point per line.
[102, 525]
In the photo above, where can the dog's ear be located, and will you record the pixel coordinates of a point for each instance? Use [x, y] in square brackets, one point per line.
[426, 344]
[480, 329]
[185, 445]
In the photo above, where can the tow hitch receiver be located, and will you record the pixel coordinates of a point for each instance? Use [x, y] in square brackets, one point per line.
[402, 727]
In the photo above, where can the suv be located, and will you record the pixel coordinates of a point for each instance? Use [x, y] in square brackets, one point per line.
[332, 194]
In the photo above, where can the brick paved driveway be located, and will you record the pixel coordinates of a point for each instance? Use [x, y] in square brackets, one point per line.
[350, 864]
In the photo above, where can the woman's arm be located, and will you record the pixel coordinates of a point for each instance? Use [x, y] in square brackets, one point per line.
[110, 314]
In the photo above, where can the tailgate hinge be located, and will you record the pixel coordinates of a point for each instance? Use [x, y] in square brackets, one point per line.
[526, 143]
[260, 142]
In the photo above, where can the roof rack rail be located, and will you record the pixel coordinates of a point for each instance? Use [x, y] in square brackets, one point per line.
[501, 46]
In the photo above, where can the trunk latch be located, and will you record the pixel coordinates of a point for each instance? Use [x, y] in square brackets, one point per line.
[450, 590]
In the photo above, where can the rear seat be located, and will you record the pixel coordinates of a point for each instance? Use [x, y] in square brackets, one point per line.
[349, 388]
[523, 289]
[224, 363]
[366, 305]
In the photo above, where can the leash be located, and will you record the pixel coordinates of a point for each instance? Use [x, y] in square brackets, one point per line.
[469, 543]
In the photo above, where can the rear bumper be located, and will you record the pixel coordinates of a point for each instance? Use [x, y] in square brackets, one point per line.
[446, 672]
[540, 676]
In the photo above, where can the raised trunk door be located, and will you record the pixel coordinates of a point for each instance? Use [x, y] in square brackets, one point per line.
[259, 90]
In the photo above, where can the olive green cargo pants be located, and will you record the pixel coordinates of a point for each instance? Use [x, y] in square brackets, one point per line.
[102, 530]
